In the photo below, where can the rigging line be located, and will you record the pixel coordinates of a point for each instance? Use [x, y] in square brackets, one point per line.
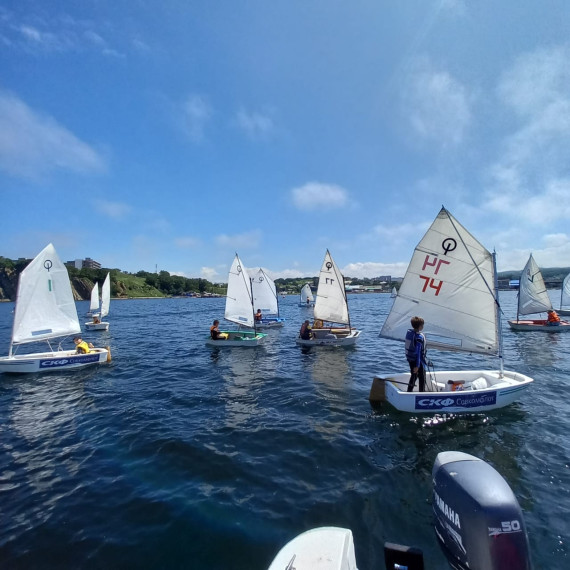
[471, 257]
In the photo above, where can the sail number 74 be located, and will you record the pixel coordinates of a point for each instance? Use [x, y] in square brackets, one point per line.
[429, 281]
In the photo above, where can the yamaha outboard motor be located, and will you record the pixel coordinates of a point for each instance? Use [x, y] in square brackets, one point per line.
[478, 520]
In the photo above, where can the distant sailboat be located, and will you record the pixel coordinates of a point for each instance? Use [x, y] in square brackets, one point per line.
[103, 311]
[394, 292]
[565, 297]
[239, 310]
[94, 302]
[306, 299]
[45, 310]
[266, 300]
[451, 283]
[332, 320]
[533, 298]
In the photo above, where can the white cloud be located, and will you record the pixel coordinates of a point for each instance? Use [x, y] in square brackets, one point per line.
[316, 195]
[530, 175]
[196, 112]
[187, 242]
[256, 125]
[210, 274]
[372, 269]
[436, 104]
[33, 144]
[114, 210]
[247, 240]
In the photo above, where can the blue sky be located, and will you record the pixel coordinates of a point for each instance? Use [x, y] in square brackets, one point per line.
[171, 134]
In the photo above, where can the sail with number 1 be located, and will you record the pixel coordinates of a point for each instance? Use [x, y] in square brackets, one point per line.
[451, 283]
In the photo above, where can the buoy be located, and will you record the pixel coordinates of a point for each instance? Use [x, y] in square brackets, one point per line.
[108, 349]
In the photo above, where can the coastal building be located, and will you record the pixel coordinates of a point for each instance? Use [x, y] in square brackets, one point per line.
[86, 263]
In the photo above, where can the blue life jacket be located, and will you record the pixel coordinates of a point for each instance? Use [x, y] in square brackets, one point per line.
[411, 345]
[414, 338]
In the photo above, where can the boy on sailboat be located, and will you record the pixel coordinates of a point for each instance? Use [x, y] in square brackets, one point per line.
[416, 353]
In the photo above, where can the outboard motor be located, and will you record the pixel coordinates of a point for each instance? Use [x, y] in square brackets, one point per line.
[478, 520]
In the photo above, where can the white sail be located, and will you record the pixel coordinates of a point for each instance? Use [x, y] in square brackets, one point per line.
[94, 304]
[45, 307]
[105, 296]
[264, 293]
[533, 297]
[394, 292]
[331, 304]
[450, 284]
[239, 305]
[565, 294]
[306, 294]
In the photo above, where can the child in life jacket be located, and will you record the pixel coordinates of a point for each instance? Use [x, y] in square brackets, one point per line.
[416, 354]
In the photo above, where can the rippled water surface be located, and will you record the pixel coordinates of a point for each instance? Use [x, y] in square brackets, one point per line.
[180, 456]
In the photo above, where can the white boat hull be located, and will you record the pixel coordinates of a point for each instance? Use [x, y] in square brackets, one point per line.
[103, 326]
[539, 325]
[325, 548]
[51, 361]
[307, 305]
[483, 390]
[331, 337]
[270, 323]
[241, 339]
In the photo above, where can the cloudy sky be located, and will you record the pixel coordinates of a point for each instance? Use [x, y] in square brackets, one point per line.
[168, 134]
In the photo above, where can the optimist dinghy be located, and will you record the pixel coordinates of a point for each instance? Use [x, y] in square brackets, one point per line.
[533, 298]
[98, 324]
[331, 326]
[266, 300]
[239, 310]
[451, 283]
[45, 310]
[306, 299]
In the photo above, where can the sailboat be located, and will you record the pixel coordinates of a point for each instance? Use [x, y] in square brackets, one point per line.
[451, 282]
[565, 297]
[331, 324]
[265, 299]
[394, 293]
[306, 299]
[45, 310]
[94, 302]
[239, 310]
[533, 298]
[97, 324]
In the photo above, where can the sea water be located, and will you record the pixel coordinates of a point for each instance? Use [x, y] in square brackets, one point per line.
[176, 455]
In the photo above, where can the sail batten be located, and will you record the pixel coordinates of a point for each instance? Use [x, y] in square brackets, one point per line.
[45, 307]
[449, 283]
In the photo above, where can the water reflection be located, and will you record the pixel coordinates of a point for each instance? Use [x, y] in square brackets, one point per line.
[330, 368]
[536, 349]
[241, 377]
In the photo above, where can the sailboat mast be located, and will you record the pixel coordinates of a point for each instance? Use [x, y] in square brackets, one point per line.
[498, 312]
[251, 300]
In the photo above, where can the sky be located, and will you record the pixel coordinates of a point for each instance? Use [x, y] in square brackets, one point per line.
[169, 135]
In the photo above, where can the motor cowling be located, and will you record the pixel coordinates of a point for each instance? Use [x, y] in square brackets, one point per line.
[478, 520]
